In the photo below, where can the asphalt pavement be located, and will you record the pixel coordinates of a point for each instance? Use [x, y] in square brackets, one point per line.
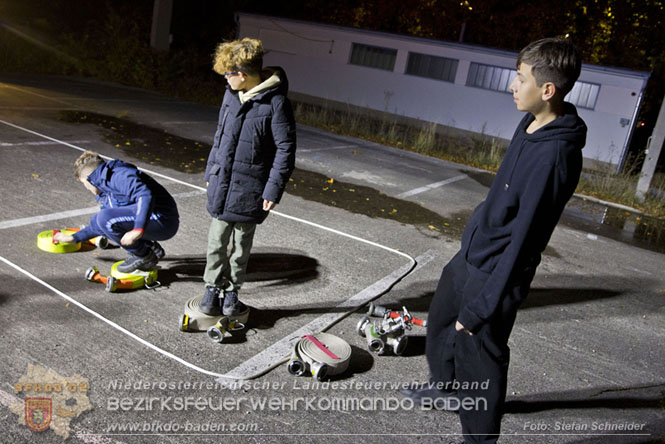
[359, 222]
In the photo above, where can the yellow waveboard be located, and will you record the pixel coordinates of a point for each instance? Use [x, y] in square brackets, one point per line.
[138, 280]
[45, 243]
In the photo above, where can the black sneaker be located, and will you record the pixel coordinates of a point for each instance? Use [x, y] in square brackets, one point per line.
[143, 263]
[232, 306]
[157, 249]
[210, 303]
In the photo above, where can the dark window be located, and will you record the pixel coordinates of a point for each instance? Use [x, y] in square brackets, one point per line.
[433, 67]
[584, 95]
[495, 78]
[373, 56]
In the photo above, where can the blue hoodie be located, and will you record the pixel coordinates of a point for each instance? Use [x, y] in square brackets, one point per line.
[122, 184]
[509, 230]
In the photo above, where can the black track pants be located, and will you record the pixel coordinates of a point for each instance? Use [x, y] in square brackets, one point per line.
[477, 365]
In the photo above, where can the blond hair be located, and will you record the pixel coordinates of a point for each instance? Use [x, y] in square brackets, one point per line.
[244, 55]
[87, 160]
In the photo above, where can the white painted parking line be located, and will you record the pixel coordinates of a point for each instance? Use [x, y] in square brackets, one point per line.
[326, 148]
[274, 355]
[271, 357]
[430, 186]
[41, 96]
[280, 351]
[72, 213]
[107, 321]
[46, 217]
[38, 108]
[40, 143]
[62, 142]
[185, 122]
[407, 268]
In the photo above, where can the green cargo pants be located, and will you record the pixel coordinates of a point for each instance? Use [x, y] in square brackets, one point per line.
[223, 271]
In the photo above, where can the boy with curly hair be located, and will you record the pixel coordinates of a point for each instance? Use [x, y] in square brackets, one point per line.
[251, 160]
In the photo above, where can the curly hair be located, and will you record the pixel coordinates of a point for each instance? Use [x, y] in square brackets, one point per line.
[89, 159]
[244, 55]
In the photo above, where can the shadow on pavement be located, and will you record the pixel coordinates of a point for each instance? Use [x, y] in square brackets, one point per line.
[538, 296]
[595, 398]
[282, 268]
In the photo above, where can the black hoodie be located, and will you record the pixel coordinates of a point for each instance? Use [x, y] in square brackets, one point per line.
[510, 229]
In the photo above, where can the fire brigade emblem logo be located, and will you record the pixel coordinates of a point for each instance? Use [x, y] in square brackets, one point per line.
[45, 399]
[38, 413]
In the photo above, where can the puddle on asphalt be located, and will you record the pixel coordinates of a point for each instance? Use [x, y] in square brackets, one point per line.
[157, 147]
[370, 202]
[150, 145]
[621, 225]
[600, 220]
[482, 177]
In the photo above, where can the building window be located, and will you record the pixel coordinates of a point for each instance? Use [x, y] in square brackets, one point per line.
[490, 77]
[433, 67]
[584, 95]
[373, 56]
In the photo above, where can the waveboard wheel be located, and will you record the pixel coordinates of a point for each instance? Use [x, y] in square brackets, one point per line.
[45, 243]
[138, 280]
[90, 273]
[111, 284]
[184, 322]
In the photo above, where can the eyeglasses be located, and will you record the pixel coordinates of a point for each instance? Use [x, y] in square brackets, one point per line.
[229, 74]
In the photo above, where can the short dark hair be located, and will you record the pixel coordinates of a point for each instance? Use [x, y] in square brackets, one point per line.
[552, 60]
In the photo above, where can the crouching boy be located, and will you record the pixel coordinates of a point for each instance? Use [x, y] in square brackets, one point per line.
[135, 213]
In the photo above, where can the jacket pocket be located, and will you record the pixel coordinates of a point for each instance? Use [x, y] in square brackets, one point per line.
[213, 171]
[245, 198]
[216, 191]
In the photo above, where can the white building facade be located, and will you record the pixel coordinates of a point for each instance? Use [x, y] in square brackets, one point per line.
[457, 85]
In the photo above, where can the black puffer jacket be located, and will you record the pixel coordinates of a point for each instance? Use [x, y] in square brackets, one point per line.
[253, 153]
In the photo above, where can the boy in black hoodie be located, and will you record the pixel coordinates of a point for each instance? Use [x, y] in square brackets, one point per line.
[480, 289]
